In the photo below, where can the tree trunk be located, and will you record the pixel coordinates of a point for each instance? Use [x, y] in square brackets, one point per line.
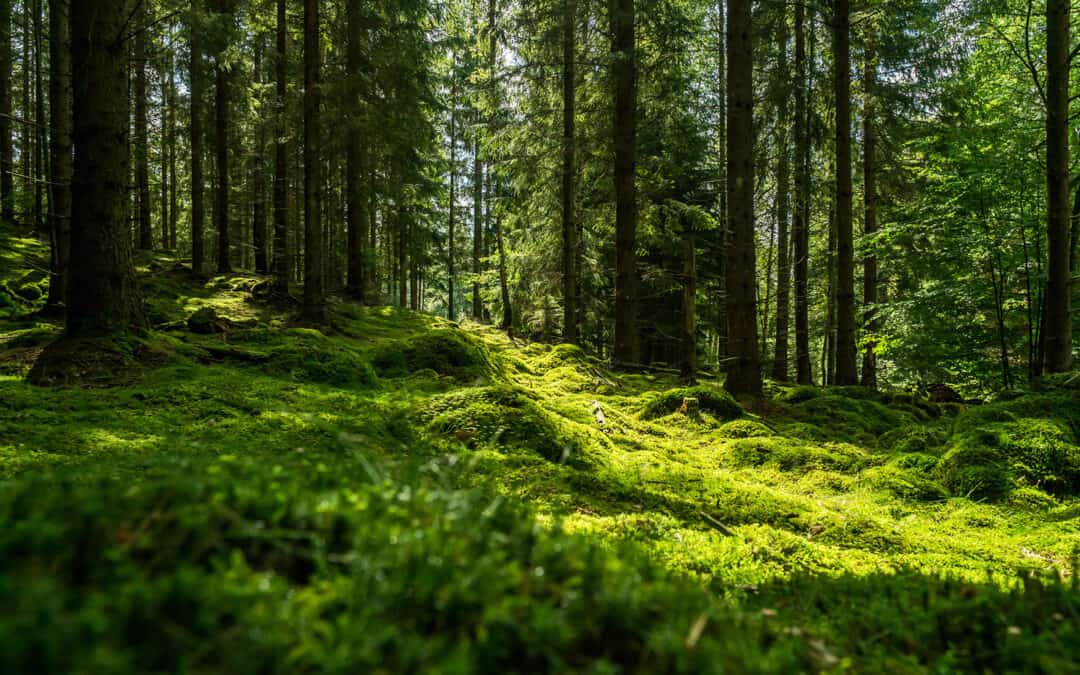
[356, 161]
[7, 153]
[451, 251]
[783, 208]
[60, 148]
[801, 228]
[722, 206]
[142, 142]
[627, 340]
[173, 181]
[166, 66]
[1057, 337]
[689, 306]
[846, 372]
[744, 372]
[258, 209]
[221, 145]
[314, 300]
[103, 295]
[198, 212]
[280, 257]
[570, 241]
[870, 272]
[478, 230]
[39, 126]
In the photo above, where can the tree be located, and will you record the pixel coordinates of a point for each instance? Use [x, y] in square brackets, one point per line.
[314, 297]
[846, 373]
[221, 147]
[870, 224]
[627, 345]
[198, 212]
[142, 142]
[103, 295]
[356, 161]
[744, 371]
[451, 250]
[783, 177]
[7, 154]
[478, 228]
[570, 242]
[280, 256]
[258, 171]
[801, 224]
[60, 147]
[1057, 334]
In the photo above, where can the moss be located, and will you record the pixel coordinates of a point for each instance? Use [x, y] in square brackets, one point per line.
[975, 467]
[793, 455]
[844, 417]
[904, 483]
[315, 364]
[743, 429]
[913, 438]
[446, 351]
[713, 400]
[916, 462]
[1031, 499]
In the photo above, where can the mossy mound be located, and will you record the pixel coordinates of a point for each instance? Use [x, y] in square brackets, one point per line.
[744, 429]
[846, 417]
[975, 467]
[712, 400]
[446, 351]
[501, 416]
[904, 483]
[314, 363]
[789, 454]
[913, 438]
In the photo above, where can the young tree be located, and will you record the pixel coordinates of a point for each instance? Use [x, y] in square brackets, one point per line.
[103, 294]
[623, 46]
[744, 371]
[870, 226]
[846, 373]
[356, 161]
[451, 251]
[478, 228]
[258, 172]
[60, 147]
[783, 207]
[7, 153]
[142, 141]
[1057, 333]
[198, 212]
[801, 225]
[314, 297]
[570, 243]
[221, 147]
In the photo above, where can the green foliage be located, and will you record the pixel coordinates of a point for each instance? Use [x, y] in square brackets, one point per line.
[713, 400]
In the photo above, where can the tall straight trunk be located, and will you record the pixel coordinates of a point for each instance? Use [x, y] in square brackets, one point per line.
[258, 173]
[142, 141]
[356, 161]
[198, 210]
[504, 281]
[1057, 336]
[314, 295]
[478, 231]
[569, 227]
[627, 340]
[689, 306]
[26, 144]
[173, 179]
[507, 322]
[164, 112]
[451, 251]
[280, 258]
[7, 153]
[846, 372]
[744, 371]
[783, 208]
[829, 358]
[103, 294]
[870, 271]
[221, 147]
[60, 147]
[722, 206]
[39, 125]
[801, 226]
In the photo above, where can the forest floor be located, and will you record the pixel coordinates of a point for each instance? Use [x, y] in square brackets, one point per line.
[399, 493]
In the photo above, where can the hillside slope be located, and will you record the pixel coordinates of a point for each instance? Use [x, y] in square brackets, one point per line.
[396, 492]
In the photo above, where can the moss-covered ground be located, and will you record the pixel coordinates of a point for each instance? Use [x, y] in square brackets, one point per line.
[395, 493]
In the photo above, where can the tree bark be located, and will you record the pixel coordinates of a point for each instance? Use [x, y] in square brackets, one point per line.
[1057, 336]
[356, 159]
[846, 373]
[198, 211]
[221, 145]
[801, 226]
[722, 207]
[258, 209]
[689, 306]
[103, 295]
[166, 66]
[280, 257]
[314, 295]
[7, 153]
[744, 371]
[627, 340]
[870, 270]
[783, 208]
[39, 126]
[570, 241]
[60, 147]
[142, 143]
[451, 251]
[478, 230]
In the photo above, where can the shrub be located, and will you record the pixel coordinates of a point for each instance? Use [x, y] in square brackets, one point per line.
[713, 400]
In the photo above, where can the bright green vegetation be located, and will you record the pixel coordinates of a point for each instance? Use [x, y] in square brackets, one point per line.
[399, 493]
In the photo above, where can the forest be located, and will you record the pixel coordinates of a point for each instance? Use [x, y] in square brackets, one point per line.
[539, 336]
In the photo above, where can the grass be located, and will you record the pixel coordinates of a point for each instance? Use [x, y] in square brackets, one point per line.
[398, 492]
